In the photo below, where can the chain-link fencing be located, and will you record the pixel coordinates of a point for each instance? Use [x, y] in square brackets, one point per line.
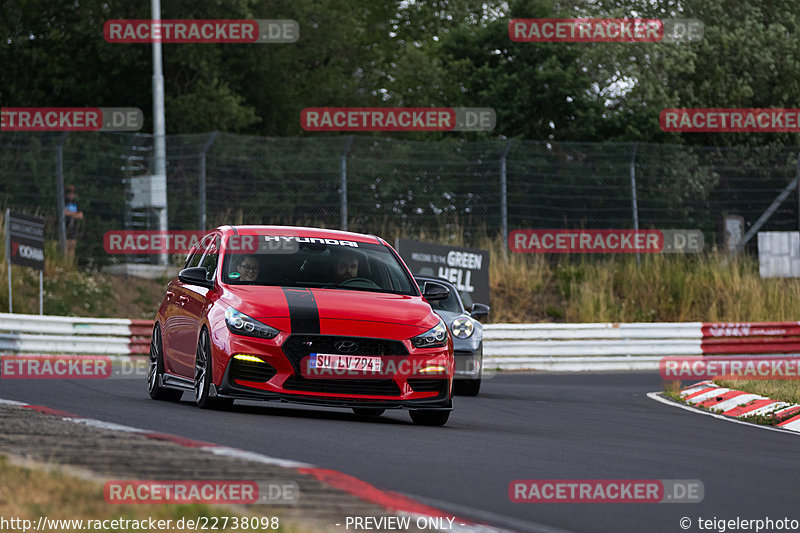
[395, 187]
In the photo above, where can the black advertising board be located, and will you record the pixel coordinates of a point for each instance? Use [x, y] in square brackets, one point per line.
[466, 268]
[25, 234]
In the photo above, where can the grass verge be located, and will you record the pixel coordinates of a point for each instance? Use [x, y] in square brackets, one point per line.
[778, 390]
[782, 390]
[29, 494]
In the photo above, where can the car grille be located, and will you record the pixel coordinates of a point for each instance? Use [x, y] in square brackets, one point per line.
[298, 347]
[376, 387]
[428, 385]
[252, 371]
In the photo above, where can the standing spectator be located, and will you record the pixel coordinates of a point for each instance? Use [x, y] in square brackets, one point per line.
[73, 214]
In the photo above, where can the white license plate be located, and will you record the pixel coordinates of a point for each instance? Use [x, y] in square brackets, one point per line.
[326, 361]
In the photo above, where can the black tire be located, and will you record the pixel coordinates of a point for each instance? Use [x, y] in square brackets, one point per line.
[368, 411]
[156, 370]
[425, 417]
[202, 377]
[468, 387]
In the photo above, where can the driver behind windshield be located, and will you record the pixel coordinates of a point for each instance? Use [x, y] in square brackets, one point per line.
[346, 267]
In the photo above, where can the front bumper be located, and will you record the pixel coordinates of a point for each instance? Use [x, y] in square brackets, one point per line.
[279, 377]
[468, 363]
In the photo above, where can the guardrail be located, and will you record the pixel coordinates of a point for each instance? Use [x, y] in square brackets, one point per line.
[632, 346]
[558, 347]
[61, 334]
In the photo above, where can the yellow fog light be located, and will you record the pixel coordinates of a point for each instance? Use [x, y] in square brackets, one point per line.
[248, 358]
[433, 369]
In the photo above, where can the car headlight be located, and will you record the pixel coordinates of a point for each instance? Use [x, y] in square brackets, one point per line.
[435, 337]
[242, 324]
[462, 327]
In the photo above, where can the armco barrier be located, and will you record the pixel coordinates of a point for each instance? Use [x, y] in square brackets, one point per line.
[634, 346]
[61, 334]
[561, 347]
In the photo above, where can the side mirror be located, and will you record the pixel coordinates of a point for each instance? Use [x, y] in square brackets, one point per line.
[433, 291]
[479, 311]
[195, 276]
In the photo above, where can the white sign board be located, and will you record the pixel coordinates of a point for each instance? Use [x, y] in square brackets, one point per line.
[779, 254]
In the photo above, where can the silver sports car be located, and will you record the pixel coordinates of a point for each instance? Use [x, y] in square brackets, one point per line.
[467, 334]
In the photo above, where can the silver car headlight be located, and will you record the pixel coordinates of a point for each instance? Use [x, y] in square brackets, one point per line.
[435, 337]
[462, 327]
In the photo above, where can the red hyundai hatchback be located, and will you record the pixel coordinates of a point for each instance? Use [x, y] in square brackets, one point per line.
[303, 315]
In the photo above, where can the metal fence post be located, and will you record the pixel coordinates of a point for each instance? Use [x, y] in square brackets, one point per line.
[776, 203]
[634, 204]
[62, 228]
[504, 200]
[797, 177]
[201, 189]
[343, 194]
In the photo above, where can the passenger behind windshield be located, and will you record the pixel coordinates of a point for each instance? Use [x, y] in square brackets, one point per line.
[244, 268]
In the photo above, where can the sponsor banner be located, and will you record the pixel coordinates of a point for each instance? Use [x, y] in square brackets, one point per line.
[279, 244]
[730, 367]
[606, 491]
[748, 329]
[398, 119]
[608, 241]
[466, 268]
[195, 31]
[204, 491]
[724, 120]
[25, 234]
[71, 119]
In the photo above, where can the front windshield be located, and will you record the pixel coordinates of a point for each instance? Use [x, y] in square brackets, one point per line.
[290, 261]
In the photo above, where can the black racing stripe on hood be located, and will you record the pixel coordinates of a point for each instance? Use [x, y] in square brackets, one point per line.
[303, 311]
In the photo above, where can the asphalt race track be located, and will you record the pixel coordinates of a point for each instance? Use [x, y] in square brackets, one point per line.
[578, 426]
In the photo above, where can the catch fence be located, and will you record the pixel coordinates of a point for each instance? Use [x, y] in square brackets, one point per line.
[397, 188]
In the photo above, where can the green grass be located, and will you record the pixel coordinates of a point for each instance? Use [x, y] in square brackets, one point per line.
[784, 390]
[28, 493]
[663, 288]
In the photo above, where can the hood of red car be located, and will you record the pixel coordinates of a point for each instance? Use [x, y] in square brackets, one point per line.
[334, 311]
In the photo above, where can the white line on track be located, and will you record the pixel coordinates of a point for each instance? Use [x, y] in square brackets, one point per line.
[487, 516]
[657, 397]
